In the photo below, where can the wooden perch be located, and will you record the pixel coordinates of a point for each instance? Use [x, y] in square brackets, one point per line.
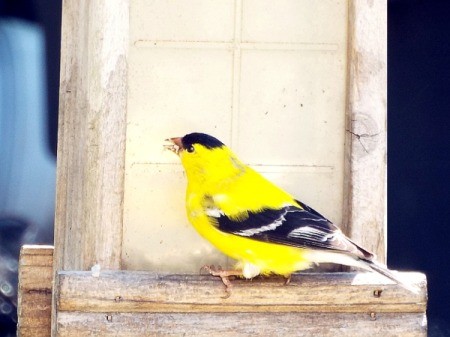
[128, 291]
[148, 304]
[132, 303]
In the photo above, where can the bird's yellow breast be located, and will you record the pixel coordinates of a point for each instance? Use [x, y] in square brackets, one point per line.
[235, 190]
[268, 257]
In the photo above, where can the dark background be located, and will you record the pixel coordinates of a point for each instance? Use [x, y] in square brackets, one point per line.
[419, 148]
[418, 135]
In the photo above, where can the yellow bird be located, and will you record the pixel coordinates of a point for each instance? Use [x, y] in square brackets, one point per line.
[253, 221]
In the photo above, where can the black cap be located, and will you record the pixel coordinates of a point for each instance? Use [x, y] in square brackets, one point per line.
[201, 138]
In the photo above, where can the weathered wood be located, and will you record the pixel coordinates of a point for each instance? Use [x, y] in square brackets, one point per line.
[148, 304]
[126, 291]
[91, 134]
[75, 324]
[35, 291]
[365, 185]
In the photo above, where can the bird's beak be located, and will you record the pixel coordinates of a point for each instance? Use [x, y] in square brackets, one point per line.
[176, 145]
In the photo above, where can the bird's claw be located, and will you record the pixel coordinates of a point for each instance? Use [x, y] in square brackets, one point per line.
[211, 270]
[224, 276]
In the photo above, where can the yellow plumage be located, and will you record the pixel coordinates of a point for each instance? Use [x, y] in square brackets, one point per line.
[237, 189]
[253, 221]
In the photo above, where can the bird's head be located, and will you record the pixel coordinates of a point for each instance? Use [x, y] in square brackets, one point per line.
[205, 157]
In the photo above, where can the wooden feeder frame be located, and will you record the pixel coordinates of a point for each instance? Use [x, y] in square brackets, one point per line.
[59, 295]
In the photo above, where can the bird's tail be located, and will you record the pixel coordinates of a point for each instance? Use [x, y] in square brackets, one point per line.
[322, 256]
[381, 269]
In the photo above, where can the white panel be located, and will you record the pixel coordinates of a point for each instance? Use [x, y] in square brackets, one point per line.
[171, 93]
[181, 20]
[294, 21]
[292, 105]
[265, 77]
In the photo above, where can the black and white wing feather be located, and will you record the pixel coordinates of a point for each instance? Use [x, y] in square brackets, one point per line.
[293, 225]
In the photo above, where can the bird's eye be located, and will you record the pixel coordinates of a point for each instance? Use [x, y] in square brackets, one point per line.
[190, 149]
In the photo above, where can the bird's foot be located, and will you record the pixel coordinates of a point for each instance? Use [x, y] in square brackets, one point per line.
[224, 276]
[287, 279]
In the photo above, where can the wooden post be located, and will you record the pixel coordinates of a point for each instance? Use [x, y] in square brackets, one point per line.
[91, 136]
[365, 185]
[35, 291]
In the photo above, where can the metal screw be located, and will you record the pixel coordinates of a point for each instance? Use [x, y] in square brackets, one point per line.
[377, 293]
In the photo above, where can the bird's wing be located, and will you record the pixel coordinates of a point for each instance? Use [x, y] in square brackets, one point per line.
[293, 225]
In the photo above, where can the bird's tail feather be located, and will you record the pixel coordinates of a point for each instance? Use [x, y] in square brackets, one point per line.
[322, 256]
[380, 269]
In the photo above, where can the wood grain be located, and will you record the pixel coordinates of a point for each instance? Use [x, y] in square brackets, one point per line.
[35, 291]
[241, 324]
[147, 304]
[365, 162]
[91, 134]
[126, 291]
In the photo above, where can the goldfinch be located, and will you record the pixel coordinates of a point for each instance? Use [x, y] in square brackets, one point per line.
[253, 221]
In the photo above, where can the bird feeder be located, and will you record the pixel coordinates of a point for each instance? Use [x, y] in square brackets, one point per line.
[296, 88]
